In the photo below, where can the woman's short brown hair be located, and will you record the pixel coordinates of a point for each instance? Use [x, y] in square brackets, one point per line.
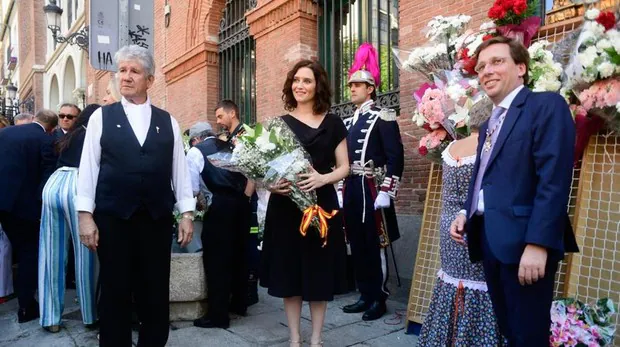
[518, 52]
[323, 93]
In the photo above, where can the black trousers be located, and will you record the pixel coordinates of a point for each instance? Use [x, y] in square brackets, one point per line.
[134, 254]
[523, 312]
[24, 237]
[224, 240]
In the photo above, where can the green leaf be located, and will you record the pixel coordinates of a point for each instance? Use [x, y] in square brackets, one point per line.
[249, 131]
[614, 57]
[258, 130]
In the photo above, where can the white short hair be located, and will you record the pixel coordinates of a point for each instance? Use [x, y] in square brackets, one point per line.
[24, 116]
[135, 52]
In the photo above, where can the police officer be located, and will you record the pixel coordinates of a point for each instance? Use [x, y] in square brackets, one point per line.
[226, 224]
[376, 160]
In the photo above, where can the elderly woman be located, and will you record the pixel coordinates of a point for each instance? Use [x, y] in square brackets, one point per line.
[59, 219]
[449, 323]
[132, 175]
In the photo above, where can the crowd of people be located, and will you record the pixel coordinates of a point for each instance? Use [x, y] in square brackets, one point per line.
[110, 177]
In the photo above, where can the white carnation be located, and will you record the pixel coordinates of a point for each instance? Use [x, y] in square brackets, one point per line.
[586, 58]
[596, 29]
[606, 69]
[487, 26]
[473, 83]
[592, 14]
[455, 91]
[603, 44]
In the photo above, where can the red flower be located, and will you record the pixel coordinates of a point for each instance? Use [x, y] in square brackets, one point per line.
[487, 37]
[427, 127]
[497, 12]
[469, 66]
[507, 5]
[519, 7]
[606, 19]
[423, 150]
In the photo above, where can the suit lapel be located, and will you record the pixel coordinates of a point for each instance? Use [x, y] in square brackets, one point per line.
[509, 122]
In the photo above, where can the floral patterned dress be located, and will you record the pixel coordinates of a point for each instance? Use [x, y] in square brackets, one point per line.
[460, 313]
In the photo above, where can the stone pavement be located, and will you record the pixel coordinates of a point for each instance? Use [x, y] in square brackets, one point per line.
[265, 325]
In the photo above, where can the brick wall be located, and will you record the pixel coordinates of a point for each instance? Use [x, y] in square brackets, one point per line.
[413, 18]
[31, 27]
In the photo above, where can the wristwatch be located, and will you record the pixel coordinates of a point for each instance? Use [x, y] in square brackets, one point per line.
[190, 217]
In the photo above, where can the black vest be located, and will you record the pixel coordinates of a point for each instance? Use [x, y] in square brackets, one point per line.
[220, 181]
[131, 176]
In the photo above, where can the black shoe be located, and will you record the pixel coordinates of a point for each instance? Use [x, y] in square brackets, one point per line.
[359, 306]
[239, 310]
[205, 322]
[376, 311]
[53, 328]
[26, 315]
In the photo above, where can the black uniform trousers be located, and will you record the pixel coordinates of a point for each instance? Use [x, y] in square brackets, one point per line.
[24, 237]
[224, 241]
[134, 254]
[369, 258]
[523, 312]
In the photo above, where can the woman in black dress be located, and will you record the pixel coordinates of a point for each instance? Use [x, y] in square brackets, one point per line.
[295, 267]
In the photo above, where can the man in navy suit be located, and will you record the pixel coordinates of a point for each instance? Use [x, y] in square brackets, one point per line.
[516, 216]
[27, 162]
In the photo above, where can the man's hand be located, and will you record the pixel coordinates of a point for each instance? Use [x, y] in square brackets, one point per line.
[382, 200]
[186, 230]
[457, 229]
[532, 265]
[89, 234]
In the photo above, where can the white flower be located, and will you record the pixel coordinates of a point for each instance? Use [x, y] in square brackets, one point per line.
[418, 119]
[586, 58]
[596, 29]
[603, 44]
[473, 83]
[606, 69]
[592, 14]
[487, 26]
[455, 91]
[618, 106]
[461, 114]
[263, 142]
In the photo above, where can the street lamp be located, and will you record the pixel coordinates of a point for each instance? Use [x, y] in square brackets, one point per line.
[52, 16]
[11, 89]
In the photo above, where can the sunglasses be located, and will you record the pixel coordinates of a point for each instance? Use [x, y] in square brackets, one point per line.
[68, 116]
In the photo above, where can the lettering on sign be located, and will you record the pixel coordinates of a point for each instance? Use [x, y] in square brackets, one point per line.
[104, 58]
[100, 19]
[137, 36]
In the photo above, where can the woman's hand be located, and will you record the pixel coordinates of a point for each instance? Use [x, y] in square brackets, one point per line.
[311, 181]
[282, 187]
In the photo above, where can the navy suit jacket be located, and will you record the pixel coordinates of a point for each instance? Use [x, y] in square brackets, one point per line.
[527, 181]
[27, 161]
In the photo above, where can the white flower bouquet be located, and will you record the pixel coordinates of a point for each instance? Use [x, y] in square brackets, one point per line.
[268, 154]
[545, 73]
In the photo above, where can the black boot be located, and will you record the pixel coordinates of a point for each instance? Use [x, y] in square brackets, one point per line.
[360, 306]
[206, 322]
[376, 311]
[31, 312]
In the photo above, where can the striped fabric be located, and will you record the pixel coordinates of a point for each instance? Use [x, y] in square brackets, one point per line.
[6, 263]
[58, 219]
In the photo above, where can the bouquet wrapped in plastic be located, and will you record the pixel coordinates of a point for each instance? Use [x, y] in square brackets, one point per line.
[576, 324]
[271, 153]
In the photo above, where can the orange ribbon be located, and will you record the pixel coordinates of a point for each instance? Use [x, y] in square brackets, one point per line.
[309, 214]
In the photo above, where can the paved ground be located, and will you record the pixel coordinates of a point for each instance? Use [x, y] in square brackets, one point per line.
[265, 325]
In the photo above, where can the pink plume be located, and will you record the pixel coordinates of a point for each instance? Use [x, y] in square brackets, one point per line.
[366, 58]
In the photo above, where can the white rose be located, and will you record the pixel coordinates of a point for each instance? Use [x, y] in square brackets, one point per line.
[586, 58]
[473, 83]
[596, 29]
[603, 44]
[592, 14]
[606, 69]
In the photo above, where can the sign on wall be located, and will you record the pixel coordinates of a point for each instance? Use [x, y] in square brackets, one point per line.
[134, 19]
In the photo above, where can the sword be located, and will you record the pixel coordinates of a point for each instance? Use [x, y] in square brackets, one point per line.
[391, 247]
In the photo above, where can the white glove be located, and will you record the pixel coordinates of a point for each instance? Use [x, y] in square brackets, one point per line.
[260, 246]
[382, 201]
[339, 193]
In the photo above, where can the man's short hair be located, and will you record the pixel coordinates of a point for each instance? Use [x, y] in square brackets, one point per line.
[141, 54]
[23, 116]
[47, 117]
[228, 105]
[68, 104]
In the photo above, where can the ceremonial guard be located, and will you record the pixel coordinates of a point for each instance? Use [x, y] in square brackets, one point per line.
[376, 161]
[226, 224]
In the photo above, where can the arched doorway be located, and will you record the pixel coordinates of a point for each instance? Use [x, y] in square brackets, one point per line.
[54, 94]
[69, 85]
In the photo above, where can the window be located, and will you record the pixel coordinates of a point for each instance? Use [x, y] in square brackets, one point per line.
[238, 60]
[343, 26]
[69, 8]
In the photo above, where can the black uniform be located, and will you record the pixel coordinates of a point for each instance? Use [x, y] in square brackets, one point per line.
[376, 160]
[224, 238]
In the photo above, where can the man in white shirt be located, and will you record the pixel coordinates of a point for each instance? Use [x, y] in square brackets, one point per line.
[132, 172]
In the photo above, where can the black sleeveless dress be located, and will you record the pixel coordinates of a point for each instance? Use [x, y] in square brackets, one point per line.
[294, 265]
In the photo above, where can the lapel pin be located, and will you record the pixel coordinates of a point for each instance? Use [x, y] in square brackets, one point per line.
[118, 125]
[157, 128]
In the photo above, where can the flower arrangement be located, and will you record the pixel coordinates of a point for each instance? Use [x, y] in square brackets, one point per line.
[514, 18]
[576, 324]
[270, 153]
[545, 73]
[467, 44]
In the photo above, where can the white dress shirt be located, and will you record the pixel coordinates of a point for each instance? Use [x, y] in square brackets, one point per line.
[506, 105]
[139, 117]
[195, 165]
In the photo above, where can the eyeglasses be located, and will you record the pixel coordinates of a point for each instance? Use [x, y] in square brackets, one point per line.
[68, 116]
[495, 62]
